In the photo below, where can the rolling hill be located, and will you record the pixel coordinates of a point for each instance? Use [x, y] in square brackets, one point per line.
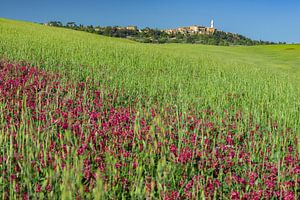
[262, 73]
[85, 116]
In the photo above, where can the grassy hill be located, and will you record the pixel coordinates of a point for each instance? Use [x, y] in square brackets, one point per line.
[171, 120]
[267, 76]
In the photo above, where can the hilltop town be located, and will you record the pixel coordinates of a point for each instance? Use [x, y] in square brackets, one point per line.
[192, 30]
[194, 34]
[195, 29]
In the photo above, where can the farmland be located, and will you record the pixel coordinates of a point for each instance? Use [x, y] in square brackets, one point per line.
[89, 116]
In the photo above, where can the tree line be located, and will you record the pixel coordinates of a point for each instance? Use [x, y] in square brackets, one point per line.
[149, 35]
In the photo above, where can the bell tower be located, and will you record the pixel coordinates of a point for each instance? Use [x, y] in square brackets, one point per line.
[212, 23]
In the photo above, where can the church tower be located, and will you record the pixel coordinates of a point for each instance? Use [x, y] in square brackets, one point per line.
[212, 23]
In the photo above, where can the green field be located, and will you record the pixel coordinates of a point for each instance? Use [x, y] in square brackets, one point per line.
[263, 82]
[267, 76]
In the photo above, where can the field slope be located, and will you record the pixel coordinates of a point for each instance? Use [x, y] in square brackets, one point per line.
[207, 92]
[266, 76]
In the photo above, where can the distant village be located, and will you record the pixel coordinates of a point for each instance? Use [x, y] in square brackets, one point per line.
[192, 30]
[194, 34]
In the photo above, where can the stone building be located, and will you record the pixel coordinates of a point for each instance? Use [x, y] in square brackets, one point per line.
[194, 29]
[132, 28]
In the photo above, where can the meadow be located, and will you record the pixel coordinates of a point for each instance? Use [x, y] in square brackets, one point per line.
[86, 116]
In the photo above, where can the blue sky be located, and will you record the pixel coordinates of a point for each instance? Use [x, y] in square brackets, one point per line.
[274, 20]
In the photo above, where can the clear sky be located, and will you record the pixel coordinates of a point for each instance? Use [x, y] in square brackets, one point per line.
[274, 20]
